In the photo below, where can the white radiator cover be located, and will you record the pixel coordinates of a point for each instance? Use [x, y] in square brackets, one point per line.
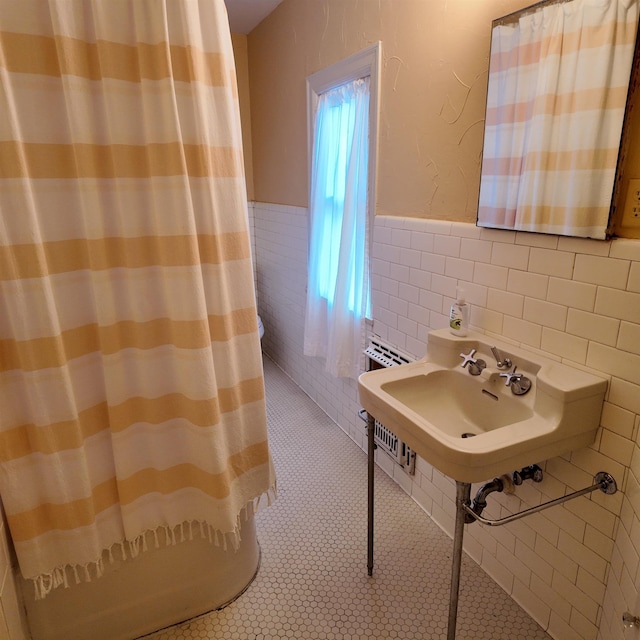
[388, 356]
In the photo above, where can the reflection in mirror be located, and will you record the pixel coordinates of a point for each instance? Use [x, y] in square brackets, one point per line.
[558, 82]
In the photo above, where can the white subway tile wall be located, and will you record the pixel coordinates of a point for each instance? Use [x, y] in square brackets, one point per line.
[252, 239]
[575, 568]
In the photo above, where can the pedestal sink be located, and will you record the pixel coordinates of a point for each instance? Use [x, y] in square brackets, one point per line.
[473, 427]
[461, 410]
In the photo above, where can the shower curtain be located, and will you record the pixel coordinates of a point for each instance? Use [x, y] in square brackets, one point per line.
[131, 387]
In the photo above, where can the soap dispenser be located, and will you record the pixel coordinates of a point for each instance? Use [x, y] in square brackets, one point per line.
[459, 315]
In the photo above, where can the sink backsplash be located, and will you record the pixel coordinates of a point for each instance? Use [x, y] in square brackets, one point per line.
[451, 357]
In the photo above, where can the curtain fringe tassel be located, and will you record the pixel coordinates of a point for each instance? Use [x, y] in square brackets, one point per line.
[131, 549]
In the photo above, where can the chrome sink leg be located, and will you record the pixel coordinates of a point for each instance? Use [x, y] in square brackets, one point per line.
[370, 494]
[463, 497]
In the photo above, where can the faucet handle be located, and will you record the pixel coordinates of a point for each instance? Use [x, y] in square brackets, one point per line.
[468, 358]
[475, 365]
[519, 383]
[511, 376]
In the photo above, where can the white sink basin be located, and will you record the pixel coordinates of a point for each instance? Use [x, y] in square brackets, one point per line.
[454, 403]
[473, 428]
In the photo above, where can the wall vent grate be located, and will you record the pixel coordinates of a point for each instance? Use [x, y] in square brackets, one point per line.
[387, 356]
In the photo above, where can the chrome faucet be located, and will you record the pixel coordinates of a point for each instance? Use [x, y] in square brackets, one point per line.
[519, 383]
[502, 362]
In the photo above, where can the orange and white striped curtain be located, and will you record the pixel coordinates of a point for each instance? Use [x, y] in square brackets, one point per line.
[131, 384]
[558, 81]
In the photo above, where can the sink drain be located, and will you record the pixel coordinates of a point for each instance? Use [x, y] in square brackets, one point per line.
[467, 434]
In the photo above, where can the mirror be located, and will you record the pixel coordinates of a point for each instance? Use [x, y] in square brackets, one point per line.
[557, 96]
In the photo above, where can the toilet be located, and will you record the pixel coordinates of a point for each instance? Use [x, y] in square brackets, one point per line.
[260, 327]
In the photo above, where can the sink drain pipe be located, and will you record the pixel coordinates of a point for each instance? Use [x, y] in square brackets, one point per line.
[504, 483]
[480, 501]
[603, 481]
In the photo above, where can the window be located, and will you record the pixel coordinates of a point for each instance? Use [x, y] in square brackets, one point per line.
[343, 127]
[341, 152]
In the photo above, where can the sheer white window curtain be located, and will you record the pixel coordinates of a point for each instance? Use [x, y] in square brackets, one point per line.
[338, 278]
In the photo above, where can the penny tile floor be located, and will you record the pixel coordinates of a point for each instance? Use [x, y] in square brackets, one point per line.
[313, 582]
